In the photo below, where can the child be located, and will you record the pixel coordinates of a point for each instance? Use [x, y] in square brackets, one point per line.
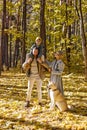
[40, 47]
[29, 57]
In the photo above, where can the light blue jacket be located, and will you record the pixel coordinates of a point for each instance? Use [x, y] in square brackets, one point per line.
[57, 67]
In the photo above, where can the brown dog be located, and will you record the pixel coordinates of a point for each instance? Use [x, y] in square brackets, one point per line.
[57, 98]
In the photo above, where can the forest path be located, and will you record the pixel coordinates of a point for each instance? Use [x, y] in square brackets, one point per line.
[13, 115]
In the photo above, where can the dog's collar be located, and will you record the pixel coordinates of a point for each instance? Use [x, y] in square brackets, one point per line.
[54, 89]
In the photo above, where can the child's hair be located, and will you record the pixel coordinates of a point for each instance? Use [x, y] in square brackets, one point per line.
[38, 38]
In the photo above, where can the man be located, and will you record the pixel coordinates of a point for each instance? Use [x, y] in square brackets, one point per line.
[57, 69]
[35, 76]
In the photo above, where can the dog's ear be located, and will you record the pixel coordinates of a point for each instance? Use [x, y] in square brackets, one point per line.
[50, 82]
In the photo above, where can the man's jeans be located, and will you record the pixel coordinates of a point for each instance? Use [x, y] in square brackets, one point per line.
[31, 82]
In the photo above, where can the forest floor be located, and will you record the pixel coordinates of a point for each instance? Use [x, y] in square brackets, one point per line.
[13, 115]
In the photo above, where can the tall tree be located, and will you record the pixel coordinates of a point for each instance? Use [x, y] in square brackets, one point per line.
[42, 23]
[6, 42]
[3, 27]
[0, 55]
[4, 39]
[67, 32]
[82, 32]
[24, 30]
[17, 42]
[0, 45]
[68, 48]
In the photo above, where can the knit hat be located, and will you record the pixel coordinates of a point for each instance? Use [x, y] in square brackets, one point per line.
[38, 38]
[59, 52]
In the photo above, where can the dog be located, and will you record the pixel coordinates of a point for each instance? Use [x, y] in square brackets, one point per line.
[56, 98]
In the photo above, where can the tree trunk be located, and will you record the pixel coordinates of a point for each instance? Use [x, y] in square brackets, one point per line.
[84, 45]
[24, 31]
[3, 34]
[6, 44]
[10, 51]
[67, 34]
[68, 49]
[42, 23]
[0, 55]
[16, 56]
[4, 37]
[1, 43]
